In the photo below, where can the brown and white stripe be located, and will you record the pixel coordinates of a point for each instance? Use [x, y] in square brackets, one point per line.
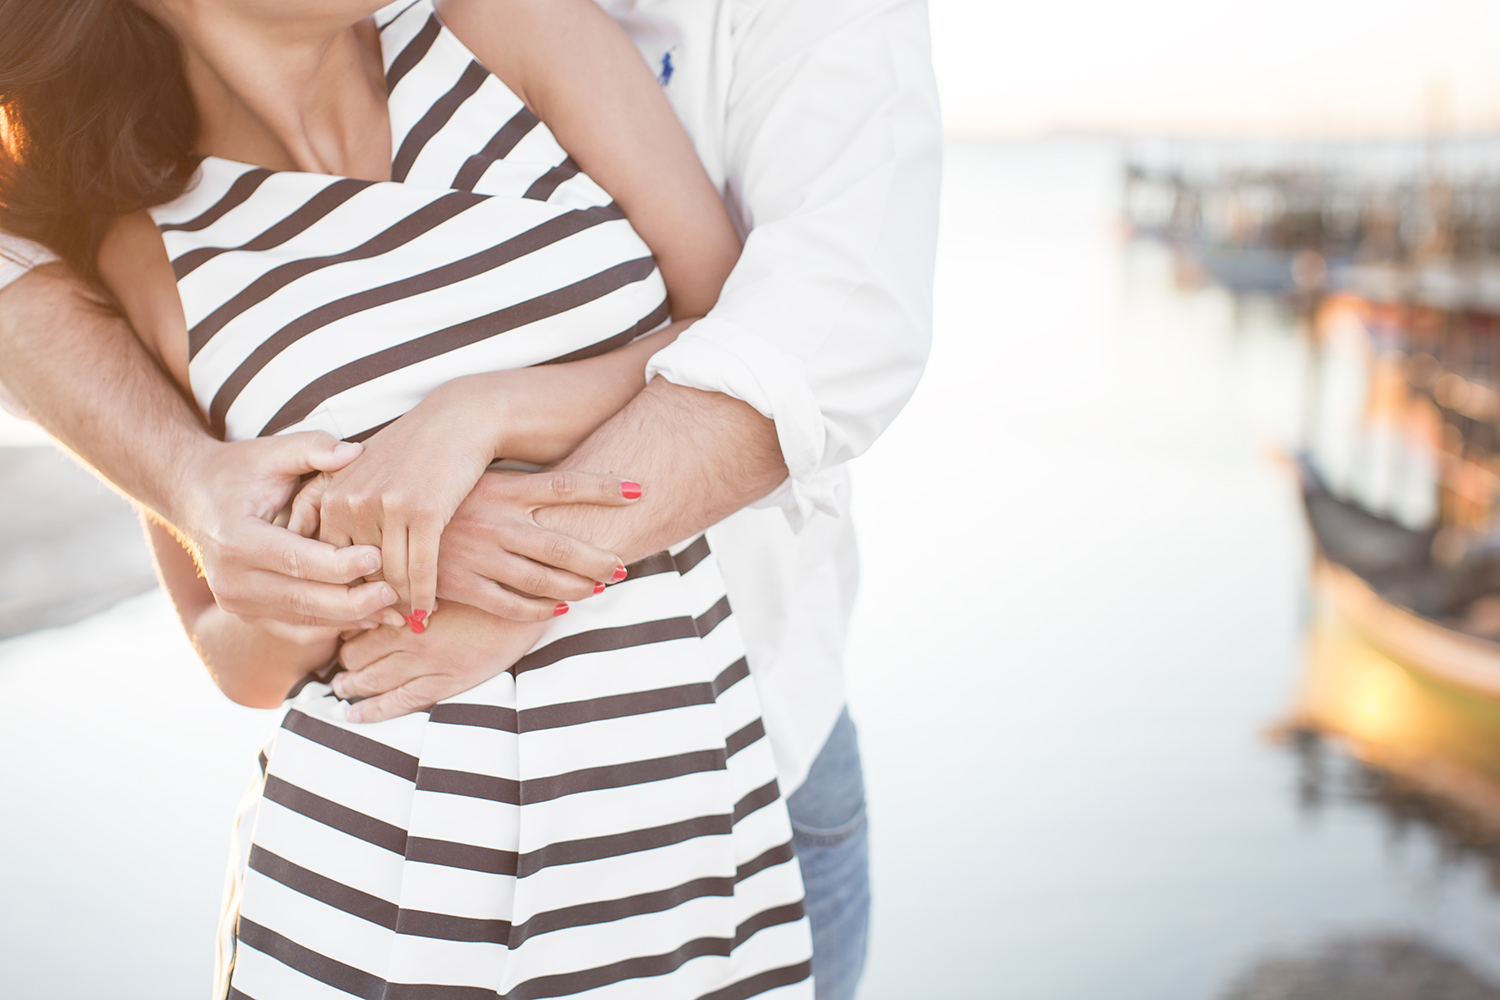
[603, 818]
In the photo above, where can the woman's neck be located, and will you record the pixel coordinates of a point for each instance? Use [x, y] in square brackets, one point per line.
[290, 97]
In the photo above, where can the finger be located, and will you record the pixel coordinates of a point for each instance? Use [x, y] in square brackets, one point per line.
[414, 696]
[300, 603]
[358, 653]
[487, 595]
[332, 533]
[564, 552]
[260, 594]
[306, 507]
[534, 579]
[546, 489]
[423, 539]
[394, 554]
[302, 635]
[394, 667]
[277, 550]
[311, 451]
[388, 616]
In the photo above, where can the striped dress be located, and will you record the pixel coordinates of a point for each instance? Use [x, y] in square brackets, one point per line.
[603, 819]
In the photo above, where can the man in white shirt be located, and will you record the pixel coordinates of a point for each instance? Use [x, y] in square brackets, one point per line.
[819, 124]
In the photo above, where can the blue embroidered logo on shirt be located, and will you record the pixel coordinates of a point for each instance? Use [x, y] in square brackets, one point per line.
[667, 69]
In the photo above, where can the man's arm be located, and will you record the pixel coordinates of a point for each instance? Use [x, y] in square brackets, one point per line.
[831, 157]
[701, 456]
[83, 374]
[74, 365]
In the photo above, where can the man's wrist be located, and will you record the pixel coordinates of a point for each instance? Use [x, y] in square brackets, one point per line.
[184, 495]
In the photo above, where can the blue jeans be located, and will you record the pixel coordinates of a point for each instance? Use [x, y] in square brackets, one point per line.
[830, 835]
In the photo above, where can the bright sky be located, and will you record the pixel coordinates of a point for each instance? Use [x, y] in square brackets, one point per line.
[1263, 67]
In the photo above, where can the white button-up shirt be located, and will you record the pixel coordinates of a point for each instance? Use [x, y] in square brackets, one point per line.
[818, 122]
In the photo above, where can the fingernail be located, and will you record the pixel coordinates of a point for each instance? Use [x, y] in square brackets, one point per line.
[419, 615]
[371, 562]
[388, 596]
[620, 573]
[354, 714]
[598, 588]
[347, 449]
[561, 609]
[415, 624]
[338, 686]
[630, 491]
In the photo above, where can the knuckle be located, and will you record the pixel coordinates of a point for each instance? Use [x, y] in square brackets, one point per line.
[300, 604]
[507, 605]
[559, 549]
[563, 484]
[535, 582]
[361, 506]
[291, 562]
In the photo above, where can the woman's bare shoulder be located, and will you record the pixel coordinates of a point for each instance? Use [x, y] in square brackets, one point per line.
[134, 265]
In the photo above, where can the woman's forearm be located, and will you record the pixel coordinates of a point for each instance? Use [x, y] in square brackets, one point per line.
[542, 414]
[251, 666]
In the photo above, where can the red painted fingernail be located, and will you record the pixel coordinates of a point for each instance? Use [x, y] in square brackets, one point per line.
[630, 491]
[561, 609]
[620, 573]
[599, 588]
[415, 624]
[420, 616]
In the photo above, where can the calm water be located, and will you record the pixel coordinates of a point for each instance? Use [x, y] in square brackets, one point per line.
[1086, 589]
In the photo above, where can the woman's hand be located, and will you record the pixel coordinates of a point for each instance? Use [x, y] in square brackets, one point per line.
[402, 491]
[495, 554]
[397, 673]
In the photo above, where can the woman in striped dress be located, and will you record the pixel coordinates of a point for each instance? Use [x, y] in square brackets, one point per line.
[367, 222]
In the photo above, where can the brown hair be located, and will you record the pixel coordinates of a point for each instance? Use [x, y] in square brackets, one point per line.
[96, 120]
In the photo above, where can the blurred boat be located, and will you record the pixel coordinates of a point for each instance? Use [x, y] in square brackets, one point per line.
[1417, 701]
[1397, 286]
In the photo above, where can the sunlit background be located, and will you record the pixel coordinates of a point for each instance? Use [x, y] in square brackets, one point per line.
[1131, 729]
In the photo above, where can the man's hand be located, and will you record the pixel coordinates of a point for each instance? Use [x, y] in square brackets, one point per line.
[265, 574]
[398, 672]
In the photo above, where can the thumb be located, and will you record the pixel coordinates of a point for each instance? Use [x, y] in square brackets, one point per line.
[311, 451]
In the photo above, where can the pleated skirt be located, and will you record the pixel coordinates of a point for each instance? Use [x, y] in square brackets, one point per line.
[603, 820]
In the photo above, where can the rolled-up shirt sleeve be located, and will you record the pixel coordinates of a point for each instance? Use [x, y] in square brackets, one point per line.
[18, 257]
[831, 163]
